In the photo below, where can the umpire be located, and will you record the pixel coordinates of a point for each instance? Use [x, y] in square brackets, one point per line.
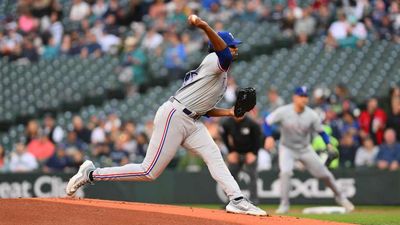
[242, 136]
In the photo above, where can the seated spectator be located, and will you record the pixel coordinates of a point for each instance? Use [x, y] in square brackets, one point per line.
[83, 133]
[98, 135]
[346, 32]
[56, 27]
[74, 143]
[347, 124]
[142, 142]
[27, 23]
[79, 10]
[385, 30]
[108, 42]
[10, 41]
[389, 152]
[118, 155]
[174, 57]
[42, 148]
[54, 132]
[29, 51]
[134, 63]
[31, 131]
[50, 50]
[99, 8]
[366, 154]
[91, 48]
[358, 30]
[22, 160]
[372, 121]
[305, 26]
[110, 25]
[395, 20]
[347, 151]
[113, 122]
[152, 39]
[66, 44]
[59, 162]
[337, 31]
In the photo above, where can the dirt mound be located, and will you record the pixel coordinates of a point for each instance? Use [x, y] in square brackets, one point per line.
[97, 212]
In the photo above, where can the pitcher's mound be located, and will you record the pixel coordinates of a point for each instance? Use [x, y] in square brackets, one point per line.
[96, 212]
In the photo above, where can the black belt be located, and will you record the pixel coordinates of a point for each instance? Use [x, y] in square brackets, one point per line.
[185, 110]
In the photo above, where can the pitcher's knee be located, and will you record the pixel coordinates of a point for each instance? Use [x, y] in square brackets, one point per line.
[152, 176]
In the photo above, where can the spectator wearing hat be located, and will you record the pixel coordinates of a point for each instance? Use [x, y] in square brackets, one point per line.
[134, 66]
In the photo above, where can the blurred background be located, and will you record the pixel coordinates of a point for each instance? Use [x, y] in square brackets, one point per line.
[83, 79]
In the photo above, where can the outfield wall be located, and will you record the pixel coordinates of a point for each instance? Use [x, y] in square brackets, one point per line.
[362, 187]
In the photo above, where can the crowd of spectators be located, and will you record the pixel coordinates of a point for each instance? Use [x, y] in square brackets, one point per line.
[91, 28]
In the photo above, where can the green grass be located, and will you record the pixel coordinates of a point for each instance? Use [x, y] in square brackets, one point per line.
[365, 215]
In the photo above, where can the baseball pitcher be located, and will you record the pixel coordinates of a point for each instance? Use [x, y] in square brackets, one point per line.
[176, 123]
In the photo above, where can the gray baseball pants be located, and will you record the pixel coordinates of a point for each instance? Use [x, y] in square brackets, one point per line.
[173, 128]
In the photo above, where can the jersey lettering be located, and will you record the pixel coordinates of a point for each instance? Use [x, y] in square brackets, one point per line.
[190, 76]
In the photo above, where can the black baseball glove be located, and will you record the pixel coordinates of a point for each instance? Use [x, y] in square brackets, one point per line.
[245, 101]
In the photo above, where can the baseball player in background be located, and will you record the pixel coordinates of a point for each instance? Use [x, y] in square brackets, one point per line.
[177, 123]
[298, 123]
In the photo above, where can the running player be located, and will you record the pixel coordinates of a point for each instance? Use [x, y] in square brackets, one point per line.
[297, 124]
[177, 123]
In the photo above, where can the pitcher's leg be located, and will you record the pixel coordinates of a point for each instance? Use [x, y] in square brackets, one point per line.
[202, 143]
[164, 142]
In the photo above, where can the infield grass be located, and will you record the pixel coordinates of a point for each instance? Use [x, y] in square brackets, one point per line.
[365, 215]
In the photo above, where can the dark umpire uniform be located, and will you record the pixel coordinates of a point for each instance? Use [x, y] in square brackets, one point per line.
[243, 140]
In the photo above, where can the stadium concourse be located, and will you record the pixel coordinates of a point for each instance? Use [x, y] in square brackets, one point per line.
[83, 79]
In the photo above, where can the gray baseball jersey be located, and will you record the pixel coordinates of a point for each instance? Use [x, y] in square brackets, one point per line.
[203, 87]
[296, 128]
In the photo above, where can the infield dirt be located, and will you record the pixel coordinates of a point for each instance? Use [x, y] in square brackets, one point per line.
[67, 211]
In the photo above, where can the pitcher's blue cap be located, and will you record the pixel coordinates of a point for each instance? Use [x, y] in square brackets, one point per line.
[228, 38]
[301, 91]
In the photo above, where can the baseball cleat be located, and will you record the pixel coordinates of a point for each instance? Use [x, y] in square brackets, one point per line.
[244, 206]
[282, 209]
[80, 178]
[343, 201]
